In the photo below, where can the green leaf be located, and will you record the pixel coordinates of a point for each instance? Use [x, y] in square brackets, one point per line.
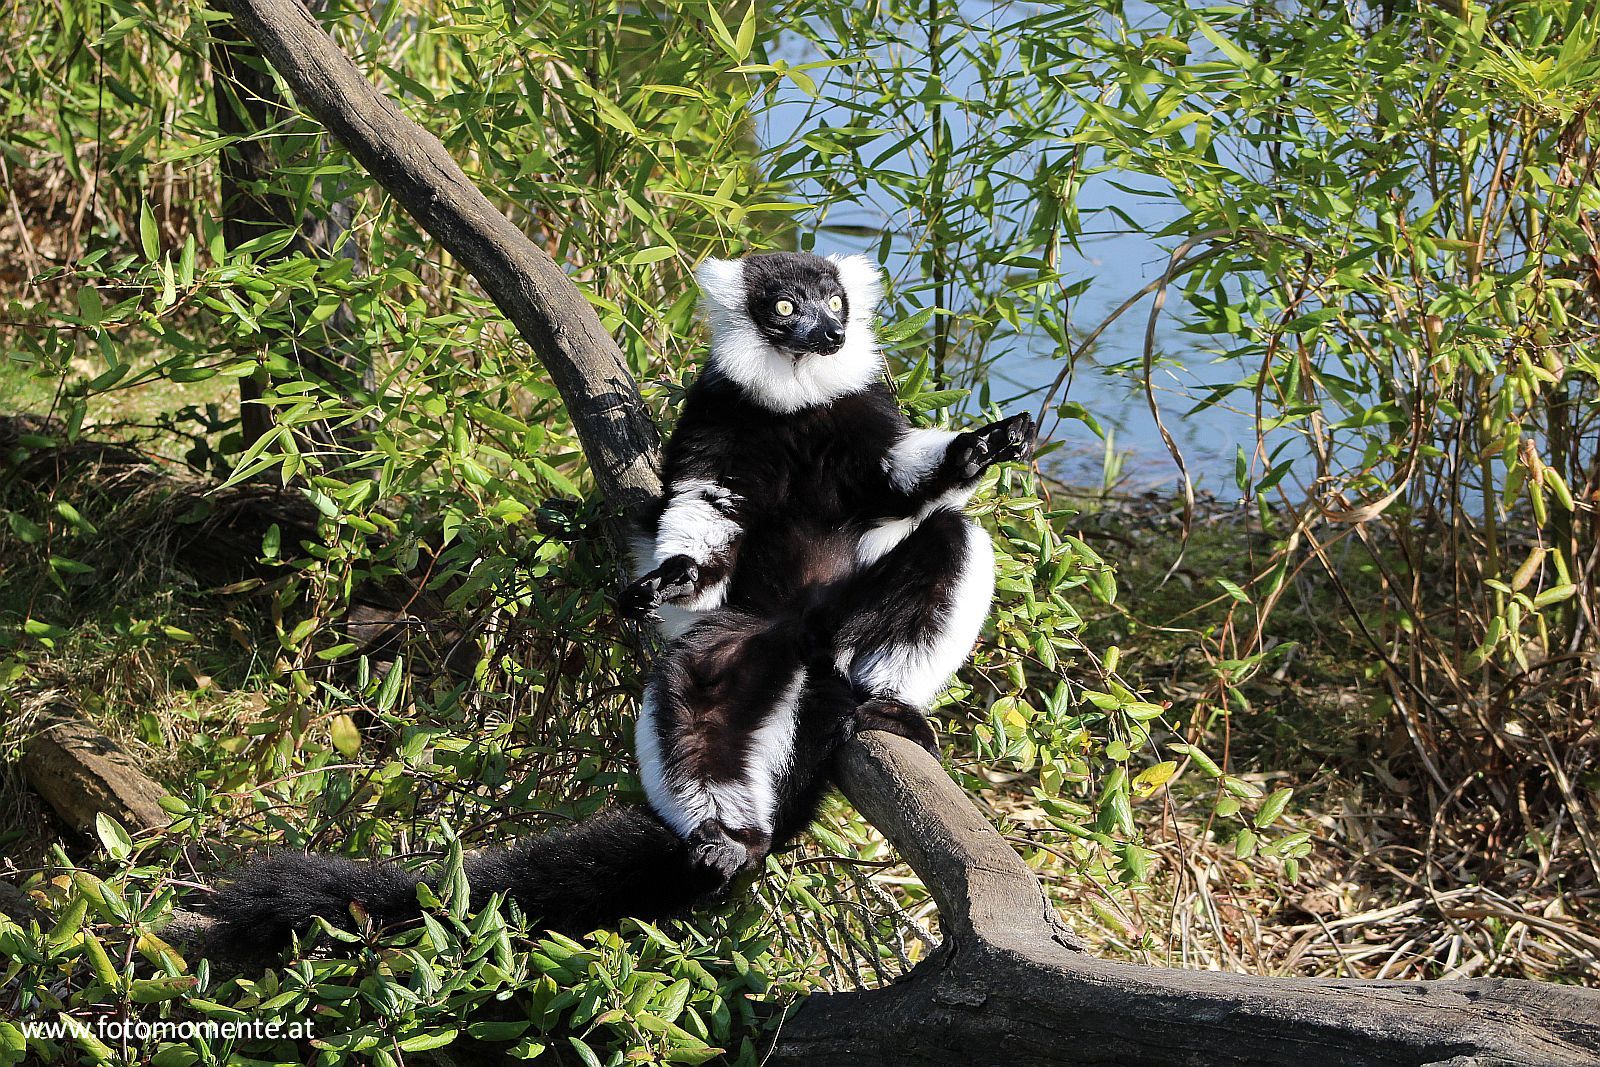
[41, 629]
[1272, 808]
[13, 1046]
[346, 736]
[115, 839]
[389, 691]
[70, 923]
[1240, 788]
[585, 1053]
[424, 1042]
[1233, 590]
[1142, 710]
[747, 34]
[149, 235]
[672, 1003]
[649, 255]
[156, 990]
[70, 513]
[1153, 778]
[1555, 595]
[26, 530]
[175, 1056]
[90, 305]
[1200, 759]
[303, 629]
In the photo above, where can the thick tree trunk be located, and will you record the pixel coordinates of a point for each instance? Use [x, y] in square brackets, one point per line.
[1009, 986]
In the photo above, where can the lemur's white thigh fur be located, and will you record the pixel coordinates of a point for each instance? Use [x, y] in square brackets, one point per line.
[685, 800]
[915, 673]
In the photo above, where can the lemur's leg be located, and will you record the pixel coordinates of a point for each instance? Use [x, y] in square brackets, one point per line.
[687, 564]
[716, 735]
[912, 617]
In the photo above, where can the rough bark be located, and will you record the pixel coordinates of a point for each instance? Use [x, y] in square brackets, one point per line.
[1009, 986]
[81, 773]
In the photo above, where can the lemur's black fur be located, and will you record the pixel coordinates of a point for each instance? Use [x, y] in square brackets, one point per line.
[812, 567]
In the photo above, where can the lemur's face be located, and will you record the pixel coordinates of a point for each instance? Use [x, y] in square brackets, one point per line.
[798, 303]
[792, 330]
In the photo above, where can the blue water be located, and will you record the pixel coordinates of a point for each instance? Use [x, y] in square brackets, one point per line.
[1116, 257]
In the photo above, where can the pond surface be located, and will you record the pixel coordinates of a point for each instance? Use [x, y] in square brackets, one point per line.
[1117, 258]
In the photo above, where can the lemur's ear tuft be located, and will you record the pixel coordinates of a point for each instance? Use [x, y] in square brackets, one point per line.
[721, 284]
[863, 282]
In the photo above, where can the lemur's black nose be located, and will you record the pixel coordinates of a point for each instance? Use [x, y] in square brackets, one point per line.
[820, 333]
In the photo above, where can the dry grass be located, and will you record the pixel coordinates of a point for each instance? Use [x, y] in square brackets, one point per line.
[1496, 875]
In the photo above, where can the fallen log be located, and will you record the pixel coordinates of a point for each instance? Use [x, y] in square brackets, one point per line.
[1009, 984]
[216, 535]
[81, 773]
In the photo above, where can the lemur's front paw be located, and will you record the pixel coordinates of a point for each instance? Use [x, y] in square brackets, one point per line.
[901, 719]
[673, 580]
[999, 442]
[1006, 441]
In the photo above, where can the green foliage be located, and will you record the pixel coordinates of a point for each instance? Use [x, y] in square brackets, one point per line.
[678, 996]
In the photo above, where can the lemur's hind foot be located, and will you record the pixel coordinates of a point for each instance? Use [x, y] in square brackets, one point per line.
[900, 718]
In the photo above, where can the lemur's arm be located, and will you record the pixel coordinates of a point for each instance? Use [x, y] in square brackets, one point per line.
[696, 545]
[927, 467]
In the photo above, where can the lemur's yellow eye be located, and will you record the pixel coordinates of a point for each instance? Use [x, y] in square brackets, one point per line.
[835, 303]
[784, 308]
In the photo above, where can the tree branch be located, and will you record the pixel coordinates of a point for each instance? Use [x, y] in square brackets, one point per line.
[1009, 985]
[584, 362]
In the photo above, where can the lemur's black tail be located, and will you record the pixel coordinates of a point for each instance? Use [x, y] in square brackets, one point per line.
[622, 862]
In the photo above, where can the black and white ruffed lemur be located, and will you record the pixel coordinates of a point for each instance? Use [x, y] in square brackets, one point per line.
[811, 566]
